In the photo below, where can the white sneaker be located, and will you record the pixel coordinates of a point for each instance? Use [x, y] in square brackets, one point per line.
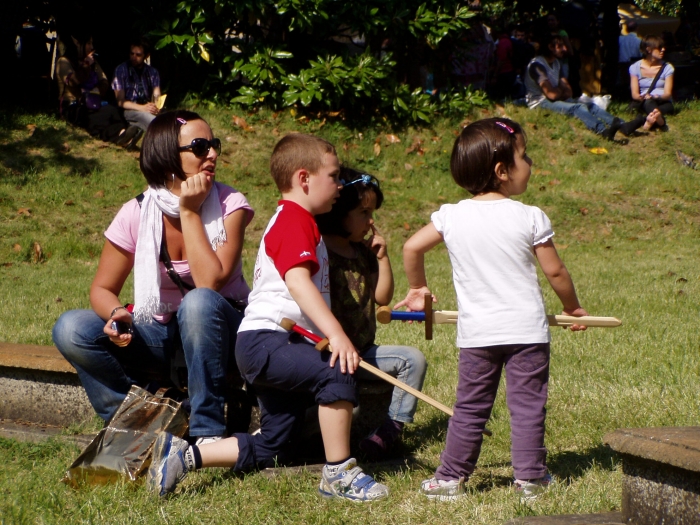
[441, 490]
[207, 440]
[530, 489]
[347, 481]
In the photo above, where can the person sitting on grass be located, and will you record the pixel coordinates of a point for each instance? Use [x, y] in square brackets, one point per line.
[290, 281]
[136, 86]
[360, 276]
[494, 243]
[651, 84]
[547, 88]
[189, 301]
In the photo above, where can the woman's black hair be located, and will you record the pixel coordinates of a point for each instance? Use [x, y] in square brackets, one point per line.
[356, 185]
[477, 150]
[160, 154]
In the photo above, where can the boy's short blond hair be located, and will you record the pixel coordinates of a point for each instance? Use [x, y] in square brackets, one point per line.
[294, 152]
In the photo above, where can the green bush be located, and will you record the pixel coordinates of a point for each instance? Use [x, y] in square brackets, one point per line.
[294, 53]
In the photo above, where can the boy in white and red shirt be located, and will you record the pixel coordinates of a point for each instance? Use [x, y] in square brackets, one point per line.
[290, 280]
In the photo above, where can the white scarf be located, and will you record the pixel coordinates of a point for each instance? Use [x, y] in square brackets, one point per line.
[159, 200]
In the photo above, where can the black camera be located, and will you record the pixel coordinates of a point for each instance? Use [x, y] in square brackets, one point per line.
[121, 327]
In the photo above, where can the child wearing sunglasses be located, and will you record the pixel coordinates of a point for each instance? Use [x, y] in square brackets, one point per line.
[183, 239]
[494, 244]
[360, 277]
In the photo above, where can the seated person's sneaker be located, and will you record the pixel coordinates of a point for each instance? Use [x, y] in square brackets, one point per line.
[529, 489]
[349, 482]
[169, 466]
[207, 440]
[441, 490]
[378, 442]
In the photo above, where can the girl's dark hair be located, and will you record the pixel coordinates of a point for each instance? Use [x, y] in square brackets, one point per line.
[160, 154]
[477, 150]
[649, 43]
[351, 196]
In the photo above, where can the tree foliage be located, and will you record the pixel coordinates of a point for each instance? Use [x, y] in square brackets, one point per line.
[365, 57]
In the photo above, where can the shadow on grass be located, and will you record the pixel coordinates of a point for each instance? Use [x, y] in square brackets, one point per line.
[25, 153]
[575, 464]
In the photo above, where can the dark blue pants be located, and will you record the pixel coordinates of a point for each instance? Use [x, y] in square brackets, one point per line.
[287, 373]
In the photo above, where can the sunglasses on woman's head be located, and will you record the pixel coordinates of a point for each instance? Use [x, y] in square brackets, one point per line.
[200, 147]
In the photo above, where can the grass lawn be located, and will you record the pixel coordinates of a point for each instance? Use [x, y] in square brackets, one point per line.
[626, 225]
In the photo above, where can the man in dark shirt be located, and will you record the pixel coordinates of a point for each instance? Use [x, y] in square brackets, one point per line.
[136, 86]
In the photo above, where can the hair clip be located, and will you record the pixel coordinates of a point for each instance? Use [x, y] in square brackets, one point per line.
[506, 127]
[181, 121]
[364, 179]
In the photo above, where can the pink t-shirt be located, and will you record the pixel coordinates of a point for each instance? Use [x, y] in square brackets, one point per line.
[124, 231]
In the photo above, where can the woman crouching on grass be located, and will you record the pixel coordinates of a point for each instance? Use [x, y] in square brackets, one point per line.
[195, 225]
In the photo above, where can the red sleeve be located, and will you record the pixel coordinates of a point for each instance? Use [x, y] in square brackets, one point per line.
[292, 240]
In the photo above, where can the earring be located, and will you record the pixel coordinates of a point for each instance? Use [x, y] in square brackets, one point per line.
[173, 185]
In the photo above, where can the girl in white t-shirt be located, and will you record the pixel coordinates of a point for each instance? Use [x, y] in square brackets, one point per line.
[494, 243]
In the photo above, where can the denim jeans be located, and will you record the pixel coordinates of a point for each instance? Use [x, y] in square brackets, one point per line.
[592, 116]
[527, 376]
[205, 325]
[139, 119]
[405, 363]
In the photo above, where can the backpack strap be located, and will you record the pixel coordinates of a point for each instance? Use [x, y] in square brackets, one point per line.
[167, 262]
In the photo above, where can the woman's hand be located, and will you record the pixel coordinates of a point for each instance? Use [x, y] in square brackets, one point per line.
[193, 191]
[121, 315]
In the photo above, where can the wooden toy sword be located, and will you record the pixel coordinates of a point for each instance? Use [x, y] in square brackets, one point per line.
[430, 317]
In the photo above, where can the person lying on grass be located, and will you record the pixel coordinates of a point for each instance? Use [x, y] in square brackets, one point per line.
[494, 244]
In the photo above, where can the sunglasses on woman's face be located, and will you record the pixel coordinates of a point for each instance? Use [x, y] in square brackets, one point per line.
[201, 147]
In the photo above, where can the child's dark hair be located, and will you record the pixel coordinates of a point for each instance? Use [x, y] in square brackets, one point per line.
[477, 150]
[356, 185]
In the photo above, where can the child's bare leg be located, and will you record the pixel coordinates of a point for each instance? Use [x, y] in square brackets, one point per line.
[335, 421]
[223, 453]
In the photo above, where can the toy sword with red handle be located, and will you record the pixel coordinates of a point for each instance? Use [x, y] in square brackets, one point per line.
[323, 344]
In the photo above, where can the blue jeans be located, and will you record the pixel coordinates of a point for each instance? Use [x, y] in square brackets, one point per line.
[592, 116]
[204, 326]
[405, 363]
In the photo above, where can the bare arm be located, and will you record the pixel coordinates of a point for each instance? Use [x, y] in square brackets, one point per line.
[209, 268]
[309, 299]
[565, 87]
[149, 107]
[551, 92]
[668, 89]
[414, 251]
[559, 279]
[384, 280]
[634, 87]
[112, 271]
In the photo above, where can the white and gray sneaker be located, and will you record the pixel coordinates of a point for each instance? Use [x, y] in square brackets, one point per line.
[347, 481]
[443, 490]
[530, 489]
[169, 464]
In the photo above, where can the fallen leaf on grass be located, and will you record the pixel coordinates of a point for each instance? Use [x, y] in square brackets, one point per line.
[377, 149]
[416, 146]
[532, 125]
[406, 226]
[397, 180]
[99, 194]
[276, 132]
[598, 151]
[16, 248]
[435, 139]
[59, 299]
[7, 264]
[31, 128]
[241, 123]
[68, 203]
[681, 280]
[65, 148]
[554, 182]
[408, 167]
[231, 139]
[584, 211]
[38, 254]
[27, 212]
[392, 139]
[562, 246]
[124, 186]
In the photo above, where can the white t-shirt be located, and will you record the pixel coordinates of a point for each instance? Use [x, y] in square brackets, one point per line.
[539, 70]
[491, 247]
[291, 238]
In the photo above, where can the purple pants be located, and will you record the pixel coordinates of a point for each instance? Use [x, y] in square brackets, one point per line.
[527, 374]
